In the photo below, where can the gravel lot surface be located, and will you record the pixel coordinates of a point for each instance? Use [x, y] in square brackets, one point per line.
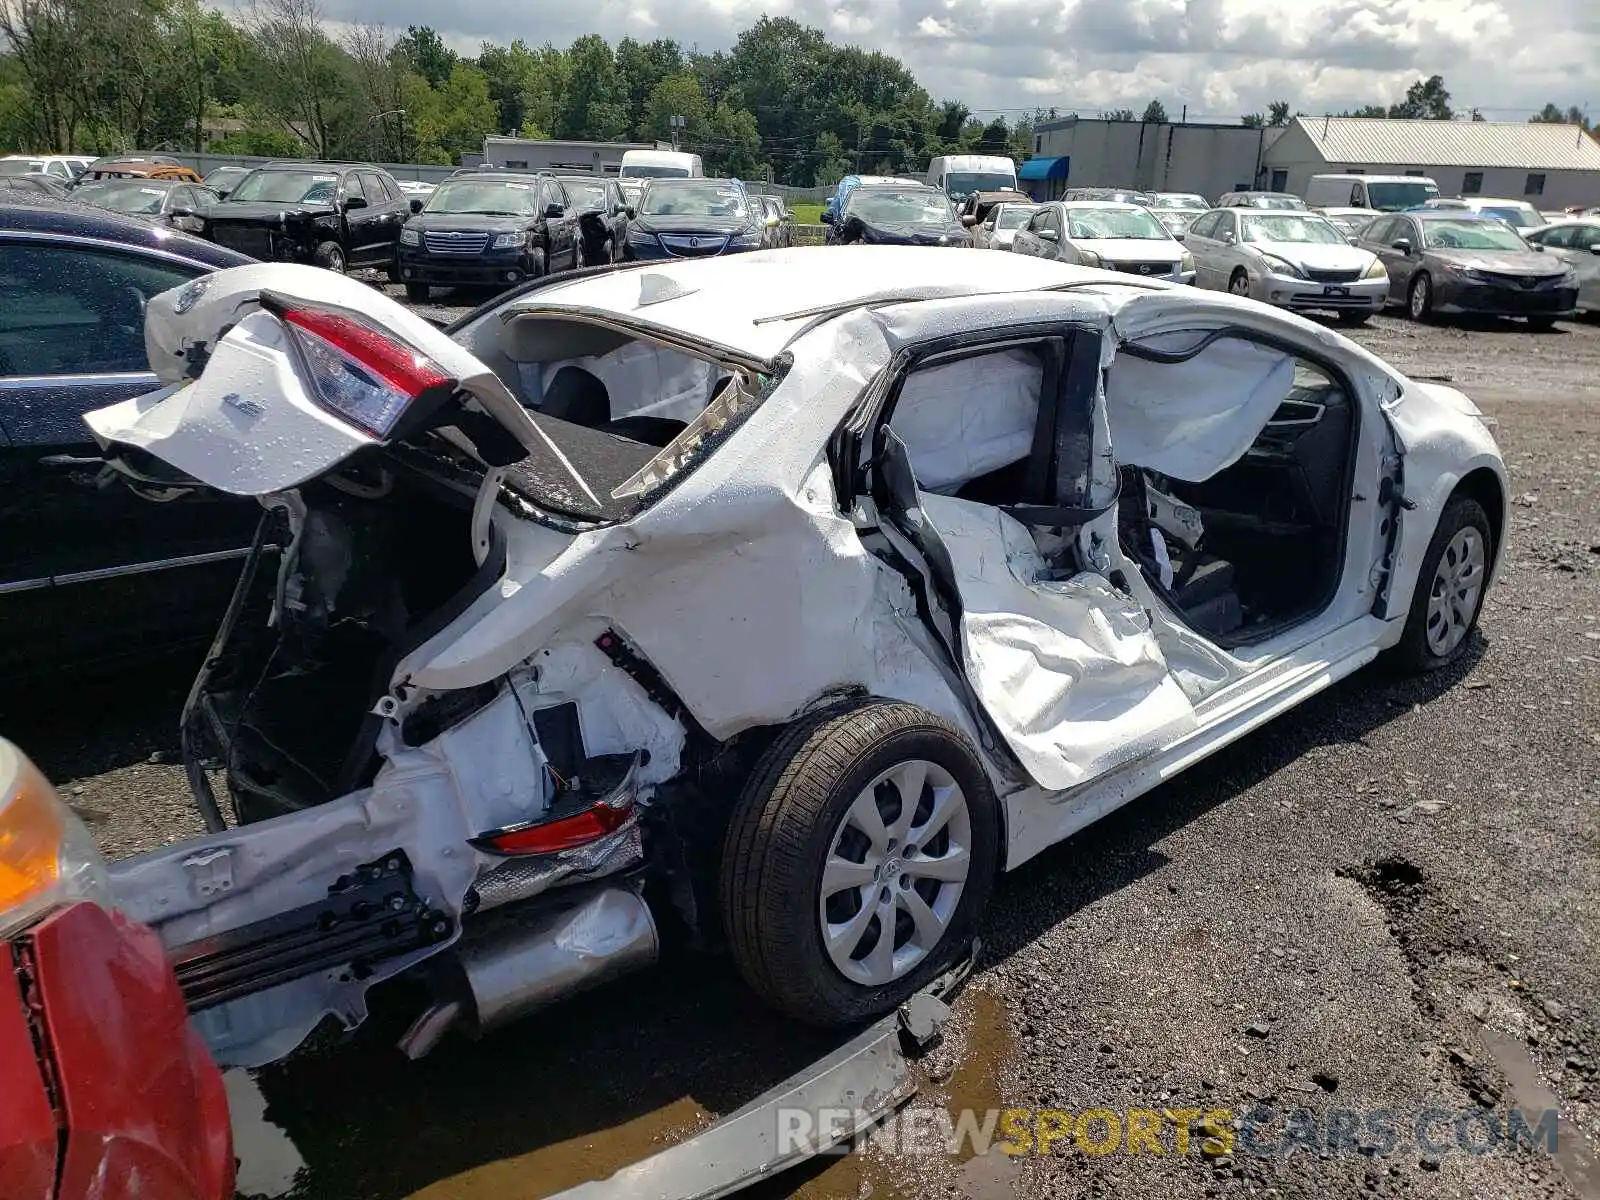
[1386, 900]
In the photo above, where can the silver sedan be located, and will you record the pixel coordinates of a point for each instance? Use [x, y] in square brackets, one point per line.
[1578, 243]
[1297, 260]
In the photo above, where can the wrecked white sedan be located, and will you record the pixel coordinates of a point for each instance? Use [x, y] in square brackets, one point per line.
[795, 595]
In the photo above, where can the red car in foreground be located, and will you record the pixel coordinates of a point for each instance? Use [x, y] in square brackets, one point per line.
[106, 1093]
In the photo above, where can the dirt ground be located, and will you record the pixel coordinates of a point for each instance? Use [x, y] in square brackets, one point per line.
[1385, 902]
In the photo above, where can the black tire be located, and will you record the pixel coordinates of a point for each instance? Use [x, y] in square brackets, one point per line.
[1412, 652]
[1421, 286]
[1233, 282]
[393, 269]
[330, 256]
[781, 833]
[1352, 317]
[418, 291]
[1542, 324]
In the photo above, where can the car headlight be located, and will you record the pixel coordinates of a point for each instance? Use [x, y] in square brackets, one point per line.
[1281, 266]
[745, 239]
[410, 237]
[509, 241]
[640, 236]
[1375, 270]
[47, 857]
[1185, 263]
[1568, 278]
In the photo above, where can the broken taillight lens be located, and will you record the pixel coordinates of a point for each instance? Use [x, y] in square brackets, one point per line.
[563, 833]
[359, 372]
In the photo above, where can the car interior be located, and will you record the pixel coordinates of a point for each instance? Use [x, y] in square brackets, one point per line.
[1246, 550]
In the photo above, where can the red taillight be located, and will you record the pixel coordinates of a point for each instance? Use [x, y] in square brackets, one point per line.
[359, 372]
[563, 833]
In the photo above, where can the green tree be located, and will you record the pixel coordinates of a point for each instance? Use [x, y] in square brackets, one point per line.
[1155, 113]
[674, 96]
[732, 142]
[591, 105]
[1550, 114]
[1117, 114]
[1278, 113]
[424, 51]
[831, 163]
[641, 66]
[1253, 121]
[1426, 98]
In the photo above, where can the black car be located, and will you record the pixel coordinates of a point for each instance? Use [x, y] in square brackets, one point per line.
[223, 180]
[164, 201]
[334, 215]
[487, 229]
[694, 218]
[899, 216]
[89, 571]
[33, 185]
[602, 216]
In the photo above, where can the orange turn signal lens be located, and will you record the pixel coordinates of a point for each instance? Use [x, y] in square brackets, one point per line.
[30, 830]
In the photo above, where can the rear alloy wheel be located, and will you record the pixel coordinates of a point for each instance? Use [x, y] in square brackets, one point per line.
[1419, 299]
[329, 255]
[1449, 592]
[858, 861]
[1239, 283]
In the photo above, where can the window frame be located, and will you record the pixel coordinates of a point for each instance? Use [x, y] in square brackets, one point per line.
[1528, 185]
[1472, 183]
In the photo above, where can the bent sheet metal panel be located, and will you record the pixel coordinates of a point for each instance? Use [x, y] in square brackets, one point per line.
[868, 1078]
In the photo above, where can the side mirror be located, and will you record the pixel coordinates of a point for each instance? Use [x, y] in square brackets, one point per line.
[416, 204]
[1539, 246]
[1229, 238]
[1401, 244]
[1353, 240]
[552, 211]
[1595, 249]
[827, 216]
[629, 210]
[969, 220]
[352, 202]
[1047, 235]
[182, 212]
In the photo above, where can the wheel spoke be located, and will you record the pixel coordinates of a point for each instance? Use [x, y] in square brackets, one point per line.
[864, 815]
[947, 868]
[947, 801]
[879, 961]
[908, 781]
[929, 929]
[843, 939]
[840, 874]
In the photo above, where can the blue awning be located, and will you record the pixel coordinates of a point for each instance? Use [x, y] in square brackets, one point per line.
[1044, 168]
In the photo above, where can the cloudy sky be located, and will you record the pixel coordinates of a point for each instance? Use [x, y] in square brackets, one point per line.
[1218, 57]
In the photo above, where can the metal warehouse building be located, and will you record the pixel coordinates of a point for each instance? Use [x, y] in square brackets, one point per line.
[1149, 156]
[527, 154]
[1550, 166]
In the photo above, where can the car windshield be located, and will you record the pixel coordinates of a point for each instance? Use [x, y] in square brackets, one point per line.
[699, 198]
[883, 206]
[1276, 202]
[124, 196]
[636, 171]
[1470, 235]
[1291, 227]
[1178, 219]
[1093, 224]
[585, 197]
[1179, 200]
[226, 175]
[961, 184]
[1518, 216]
[485, 197]
[1397, 197]
[20, 166]
[1013, 216]
[287, 187]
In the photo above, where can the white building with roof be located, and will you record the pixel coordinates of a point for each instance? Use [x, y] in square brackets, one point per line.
[1550, 166]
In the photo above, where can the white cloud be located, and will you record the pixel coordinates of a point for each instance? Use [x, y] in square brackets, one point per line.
[1218, 57]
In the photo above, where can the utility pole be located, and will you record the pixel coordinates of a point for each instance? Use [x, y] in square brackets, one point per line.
[676, 124]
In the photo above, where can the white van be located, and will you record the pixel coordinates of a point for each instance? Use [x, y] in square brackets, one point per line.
[660, 164]
[1381, 193]
[959, 175]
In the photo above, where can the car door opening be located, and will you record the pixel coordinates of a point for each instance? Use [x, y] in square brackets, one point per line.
[1234, 508]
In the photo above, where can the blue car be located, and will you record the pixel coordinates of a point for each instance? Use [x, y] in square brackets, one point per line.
[694, 218]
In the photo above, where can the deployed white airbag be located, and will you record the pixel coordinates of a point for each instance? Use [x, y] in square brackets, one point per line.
[1192, 419]
[642, 380]
[1069, 672]
[965, 418]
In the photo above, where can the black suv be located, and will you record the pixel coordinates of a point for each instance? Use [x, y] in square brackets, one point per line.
[334, 215]
[493, 228]
[602, 216]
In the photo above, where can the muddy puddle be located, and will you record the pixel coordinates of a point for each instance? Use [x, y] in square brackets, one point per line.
[575, 1094]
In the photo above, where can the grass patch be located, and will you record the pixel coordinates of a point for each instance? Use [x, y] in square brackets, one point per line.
[807, 214]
